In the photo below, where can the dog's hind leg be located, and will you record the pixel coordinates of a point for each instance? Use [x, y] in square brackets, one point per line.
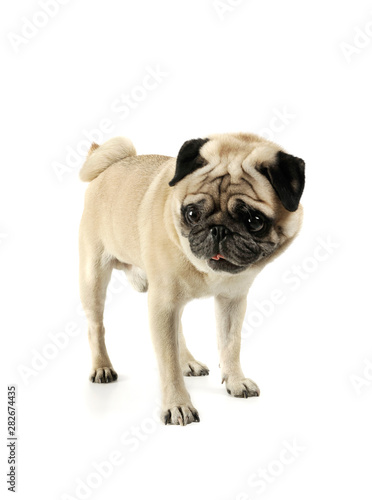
[95, 274]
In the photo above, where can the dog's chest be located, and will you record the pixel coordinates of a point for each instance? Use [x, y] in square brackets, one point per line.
[223, 284]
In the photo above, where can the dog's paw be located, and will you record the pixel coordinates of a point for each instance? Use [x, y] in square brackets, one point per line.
[242, 388]
[103, 375]
[194, 369]
[182, 414]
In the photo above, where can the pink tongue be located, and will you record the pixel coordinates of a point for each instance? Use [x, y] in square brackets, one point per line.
[217, 257]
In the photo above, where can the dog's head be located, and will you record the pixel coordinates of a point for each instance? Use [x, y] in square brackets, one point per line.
[236, 200]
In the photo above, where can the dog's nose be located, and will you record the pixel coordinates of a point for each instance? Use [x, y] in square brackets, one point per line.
[219, 232]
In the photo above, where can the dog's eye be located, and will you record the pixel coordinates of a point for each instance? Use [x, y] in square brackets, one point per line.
[255, 222]
[192, 214]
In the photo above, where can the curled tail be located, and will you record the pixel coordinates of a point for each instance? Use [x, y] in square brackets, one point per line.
[101, 157]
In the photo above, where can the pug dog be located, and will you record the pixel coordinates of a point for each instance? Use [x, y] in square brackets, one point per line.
[202, 224]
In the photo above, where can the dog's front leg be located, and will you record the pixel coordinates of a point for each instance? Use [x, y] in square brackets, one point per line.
[230, 316]
[164, 323]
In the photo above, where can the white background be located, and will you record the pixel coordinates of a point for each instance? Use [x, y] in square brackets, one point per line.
[223, 70]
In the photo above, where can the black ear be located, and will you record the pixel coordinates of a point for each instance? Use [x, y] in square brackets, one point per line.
[188, 159]
[287, 177]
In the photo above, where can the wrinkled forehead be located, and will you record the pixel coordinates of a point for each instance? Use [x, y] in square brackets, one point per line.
[230, 173]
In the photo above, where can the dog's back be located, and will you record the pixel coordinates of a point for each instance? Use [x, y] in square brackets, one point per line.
[118, 181]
